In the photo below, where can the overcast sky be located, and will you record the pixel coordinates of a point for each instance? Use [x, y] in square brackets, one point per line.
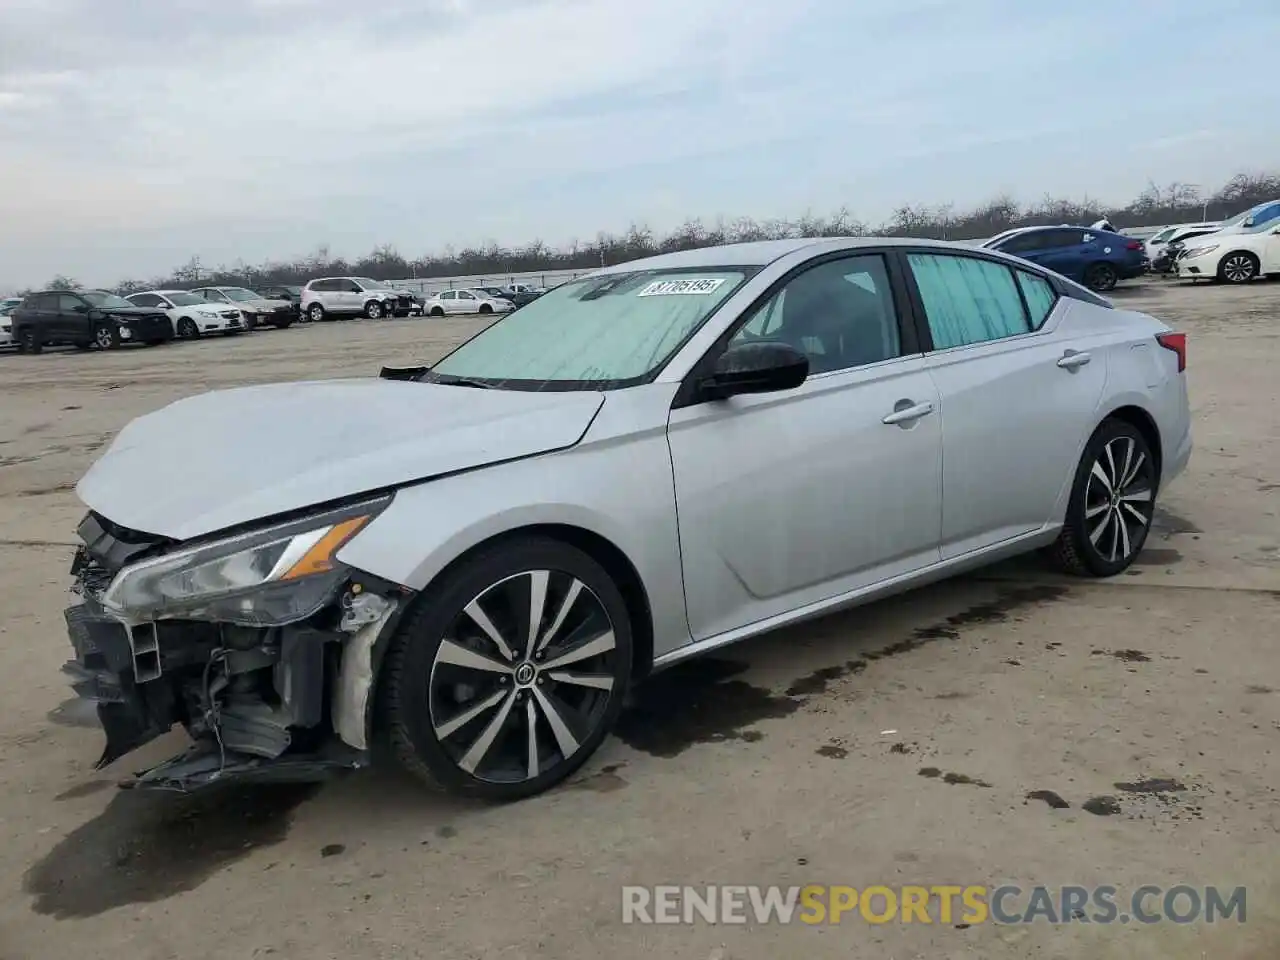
[134, 135]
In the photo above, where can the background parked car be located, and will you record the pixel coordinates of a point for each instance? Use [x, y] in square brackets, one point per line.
[86, 318]
[191, 314]
[284, 291]
[1231, 257]
[256, 310]
[343, 297]
[1097, 258]
[518, 294]
[1156, 243]
[466, 301]
[7, 307]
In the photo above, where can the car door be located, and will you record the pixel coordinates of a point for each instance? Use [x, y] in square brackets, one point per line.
[792, 498]
[1018, 394]
[466, 302]
[1067, 251]
[71, 320]
[1270, 251]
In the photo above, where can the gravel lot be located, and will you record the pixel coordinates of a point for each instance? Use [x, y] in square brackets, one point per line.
[792, 759]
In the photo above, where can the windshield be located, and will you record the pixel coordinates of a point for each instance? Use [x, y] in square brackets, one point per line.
[617, 327]
[185, 299]
[7, 308]
[239, 293]
[99, 299]
[1163, 235]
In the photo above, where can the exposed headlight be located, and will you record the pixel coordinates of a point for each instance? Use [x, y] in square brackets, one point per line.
[265, 578]
[1200, 251]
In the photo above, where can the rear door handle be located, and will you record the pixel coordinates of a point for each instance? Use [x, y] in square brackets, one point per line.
[905, 411]
[1072, 360]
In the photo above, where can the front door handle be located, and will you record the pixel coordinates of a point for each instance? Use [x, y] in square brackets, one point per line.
[1073, 360]
[907, 411]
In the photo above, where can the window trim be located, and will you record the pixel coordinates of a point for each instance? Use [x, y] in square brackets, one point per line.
[1026, 305]
[909, 343]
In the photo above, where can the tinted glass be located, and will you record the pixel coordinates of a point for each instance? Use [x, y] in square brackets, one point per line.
[840, 314]
[68, 303]
[967, 300]
[602, 329]
[1039, 295]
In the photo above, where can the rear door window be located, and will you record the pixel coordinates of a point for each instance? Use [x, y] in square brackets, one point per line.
[1039, 296]
[967, 299]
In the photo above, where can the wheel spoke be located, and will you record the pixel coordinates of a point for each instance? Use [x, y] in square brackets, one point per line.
[1132, 473]
[1135, 512]
[1092, 512]
[1100, 472]
[600, 681]
[1115, 537]
[484, 623]
[1122, 530]
[537, 601]
[566, 605]
[531, 721]
[565, 739]
[1101, 528]
[460, 656]
[590, 648]
[1123, 476]
[466, 716]
[1112, 474]
[1137, 496]
[480, 748]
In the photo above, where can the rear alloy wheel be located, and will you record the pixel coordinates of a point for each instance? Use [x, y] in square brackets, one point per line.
[1101, 277]
[187, 329]
[373, 310]
[315, 313]
[509, 674]
[1112, 503]
[1238, 267]
[107, 337]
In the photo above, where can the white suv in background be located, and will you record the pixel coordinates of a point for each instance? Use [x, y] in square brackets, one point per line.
[343, 297]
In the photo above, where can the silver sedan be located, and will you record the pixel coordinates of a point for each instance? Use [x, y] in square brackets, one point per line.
[471, 563]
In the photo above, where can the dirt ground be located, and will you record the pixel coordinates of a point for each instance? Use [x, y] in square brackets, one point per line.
[814, 755]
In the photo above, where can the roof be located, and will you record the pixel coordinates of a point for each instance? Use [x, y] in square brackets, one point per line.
[761, 252]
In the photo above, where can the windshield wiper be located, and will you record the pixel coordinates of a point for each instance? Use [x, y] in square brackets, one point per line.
[448, 380]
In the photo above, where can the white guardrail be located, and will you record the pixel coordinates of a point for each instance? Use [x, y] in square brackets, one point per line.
[549, 278]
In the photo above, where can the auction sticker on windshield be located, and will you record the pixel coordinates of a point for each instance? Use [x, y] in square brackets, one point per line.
[666, 288]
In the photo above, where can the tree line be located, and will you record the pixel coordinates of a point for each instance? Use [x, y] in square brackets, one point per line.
[1174, 203]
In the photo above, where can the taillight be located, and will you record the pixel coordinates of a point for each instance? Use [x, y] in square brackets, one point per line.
[1133, 245]
[1177, 342]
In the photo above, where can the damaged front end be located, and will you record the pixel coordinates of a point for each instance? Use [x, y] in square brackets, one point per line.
[259, 644]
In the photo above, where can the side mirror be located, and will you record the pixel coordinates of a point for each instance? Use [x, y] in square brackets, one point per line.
[1248, 222]
[755, 368]
[82, 308]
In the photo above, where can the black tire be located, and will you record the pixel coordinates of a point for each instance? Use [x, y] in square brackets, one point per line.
[30, 341]
[315, 313]
[251, 323]
[188, 329]
[1239, 266]
[107, 336]
[410, 687]
[437, 311]
[485, 308]
[373, 310]
[1091, 543]
[283, 324]
[1101, 277]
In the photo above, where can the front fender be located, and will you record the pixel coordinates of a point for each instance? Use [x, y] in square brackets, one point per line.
[617, 484]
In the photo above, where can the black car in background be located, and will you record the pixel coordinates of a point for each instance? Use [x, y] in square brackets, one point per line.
[86, 318]
[518, 297]
[284, 291]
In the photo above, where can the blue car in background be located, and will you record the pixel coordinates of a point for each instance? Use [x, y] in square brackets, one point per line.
[1097, 258]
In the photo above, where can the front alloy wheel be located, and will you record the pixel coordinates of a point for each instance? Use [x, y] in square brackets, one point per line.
[1112, 503]
[511, 673]
[107, 337]
[1238, 268]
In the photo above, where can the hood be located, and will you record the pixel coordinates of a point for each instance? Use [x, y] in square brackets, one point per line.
[235, 456]
[263, 303]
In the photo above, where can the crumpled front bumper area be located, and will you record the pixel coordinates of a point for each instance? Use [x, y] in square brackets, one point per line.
[256, 702]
